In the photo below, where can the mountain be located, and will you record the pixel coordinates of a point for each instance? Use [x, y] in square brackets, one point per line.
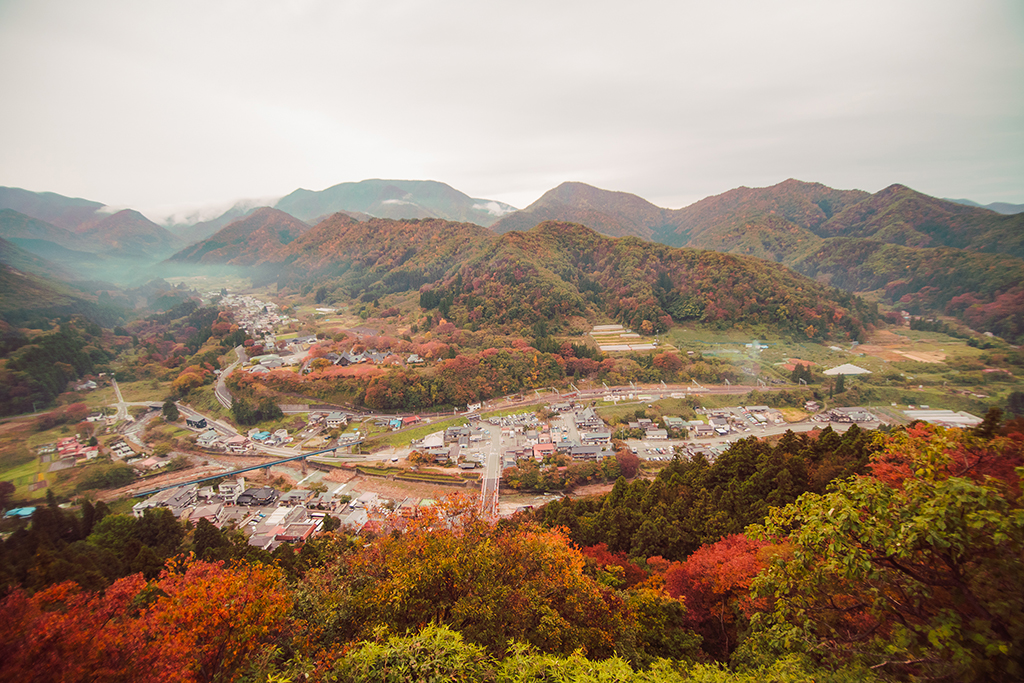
[129, 234]
[836, 236]
[64, 212]
[899, 215]
[554, 272]
[611, 213]
[560, 269]
[999, 207]
[396, 199]
[256, 237]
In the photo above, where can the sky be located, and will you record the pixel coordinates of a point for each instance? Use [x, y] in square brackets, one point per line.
[164, 105]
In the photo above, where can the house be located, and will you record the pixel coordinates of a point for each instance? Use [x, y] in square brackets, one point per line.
[210, 512]
[591, 438]
[704, 430]
[237, 444]
[585, 452]
[196, 422]
[207, 439]
[336, 420]
[261, 496]
[657, 434]
[229, 489]
[588, 419]
[542, 450]
[296, 532]
[366, 500]
[177, 500]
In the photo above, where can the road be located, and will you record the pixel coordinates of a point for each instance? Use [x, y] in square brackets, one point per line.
[491, 480]
[221, 391]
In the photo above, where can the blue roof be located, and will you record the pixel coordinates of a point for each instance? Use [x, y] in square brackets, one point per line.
[23, 513]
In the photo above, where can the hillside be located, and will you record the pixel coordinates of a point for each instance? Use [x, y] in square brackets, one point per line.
[16, 257]
[24, 293]
[559, 269]
[256, 237]
[899, 215]
[379, 255]
[396, 199]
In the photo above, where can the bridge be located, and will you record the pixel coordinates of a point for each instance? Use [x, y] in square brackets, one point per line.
[261, 466]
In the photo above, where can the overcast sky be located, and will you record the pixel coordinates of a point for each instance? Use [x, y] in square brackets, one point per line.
[171, 104]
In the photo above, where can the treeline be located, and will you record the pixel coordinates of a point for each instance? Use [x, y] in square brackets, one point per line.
[694, 501]
[40, 370]
[471, 377]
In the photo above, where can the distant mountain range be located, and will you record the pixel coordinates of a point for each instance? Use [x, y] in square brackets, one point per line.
[924, 254]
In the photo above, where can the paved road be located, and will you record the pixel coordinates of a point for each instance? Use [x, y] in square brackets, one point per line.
[221, 391]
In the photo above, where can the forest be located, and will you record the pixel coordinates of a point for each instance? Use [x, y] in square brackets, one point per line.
[891, 556]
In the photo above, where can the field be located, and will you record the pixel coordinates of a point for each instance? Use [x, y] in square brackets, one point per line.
[407, 436]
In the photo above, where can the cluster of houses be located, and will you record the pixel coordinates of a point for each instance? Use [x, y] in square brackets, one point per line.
[724, 421]
[67, 453]
[258, 318]
[373, 357]
[269, 517]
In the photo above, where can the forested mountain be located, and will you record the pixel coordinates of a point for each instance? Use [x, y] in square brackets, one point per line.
[256, 237]
[379, 255]
[907, 244]
[618, 214]
[555, 271]
[396, 199]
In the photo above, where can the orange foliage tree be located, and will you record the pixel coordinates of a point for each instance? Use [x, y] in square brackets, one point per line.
[199, 621]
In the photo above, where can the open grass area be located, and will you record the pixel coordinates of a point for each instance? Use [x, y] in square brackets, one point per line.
[203, 400]
[404, 438]
[144, 391]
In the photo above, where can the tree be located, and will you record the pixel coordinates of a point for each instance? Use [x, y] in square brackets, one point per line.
[1015, 403]
[6, 491]
[171, 411]
[714, 583]
[919, 575]
[840, 384]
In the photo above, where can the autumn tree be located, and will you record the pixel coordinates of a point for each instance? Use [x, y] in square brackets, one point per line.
[916, 575]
